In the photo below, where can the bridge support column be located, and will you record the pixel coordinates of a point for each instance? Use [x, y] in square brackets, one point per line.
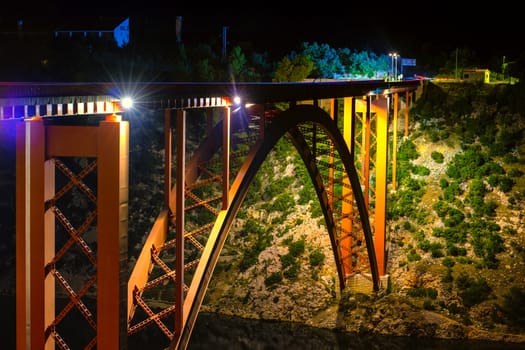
[112, 234]
[35, 241]
[179, 221]
[394, 143]
[380, 107]
[347, 204]
[408, 100]
[39, 144]
[362, 106]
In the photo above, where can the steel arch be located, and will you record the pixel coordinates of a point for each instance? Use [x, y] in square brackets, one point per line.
[286, 122]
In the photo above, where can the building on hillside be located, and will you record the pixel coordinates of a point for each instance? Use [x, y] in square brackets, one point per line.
[476, 75]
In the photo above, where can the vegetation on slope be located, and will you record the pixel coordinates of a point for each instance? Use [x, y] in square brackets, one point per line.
[458, 228]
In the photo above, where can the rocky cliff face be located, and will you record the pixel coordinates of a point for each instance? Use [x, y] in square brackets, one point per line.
[452, 273]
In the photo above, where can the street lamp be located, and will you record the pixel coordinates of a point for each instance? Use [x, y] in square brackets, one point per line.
[393, 67]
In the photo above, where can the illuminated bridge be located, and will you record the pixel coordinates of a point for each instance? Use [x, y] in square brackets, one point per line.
[72, 146]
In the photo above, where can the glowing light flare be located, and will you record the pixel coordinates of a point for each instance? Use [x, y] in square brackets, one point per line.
[127, 102]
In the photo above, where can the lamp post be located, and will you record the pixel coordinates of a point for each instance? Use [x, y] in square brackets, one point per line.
[393, 66]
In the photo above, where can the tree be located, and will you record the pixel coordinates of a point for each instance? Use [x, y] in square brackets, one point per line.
[238, 64]
[204, 70]
[367, 64]
[297, 69]
[326, 60]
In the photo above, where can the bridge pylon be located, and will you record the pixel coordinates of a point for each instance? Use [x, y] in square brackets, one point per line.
[71, 268]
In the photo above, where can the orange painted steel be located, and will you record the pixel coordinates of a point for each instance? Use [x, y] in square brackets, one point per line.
[180, 221]
[380, 106]
[331, 170]
[374, 142]
[34, 302]
[112, 222]
[168, 139]
[141, 271]
[356, 228]
[408, 100]
[366, 155]
[40, 148]
[364, 110]
[347, 209]
[226, 129]
[394, 143]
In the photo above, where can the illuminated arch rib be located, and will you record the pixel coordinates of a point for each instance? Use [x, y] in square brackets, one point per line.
[287, 122]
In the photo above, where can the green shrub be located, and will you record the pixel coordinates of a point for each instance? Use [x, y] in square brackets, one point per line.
[465, 165]
[435, 251]
[283, 203]
[287, 260]
[420, 170]
[273, 279]
[513, 307]
[505, 183]
[454, 250]
[292, 271]
[424, 245]
[296, 248]
[472, 291]
[448, 262]
[428, 305]
[422, 293]
[454, 217]
[452, 191]
[447, 277]
[510, 158]
[490, 168]
[515, 172]
[455, 309]
[493, 180]
[464, 260]
[441, 208]
[316, 257]
[413, 256]
[407, 151]
[509, 230]
[279, 186]
[437, 157]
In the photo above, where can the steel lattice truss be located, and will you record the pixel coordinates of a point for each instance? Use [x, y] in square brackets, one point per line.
[73, 266]
[337, 186]
[202, 205]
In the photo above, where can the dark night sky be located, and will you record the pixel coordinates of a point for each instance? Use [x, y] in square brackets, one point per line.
[408, 26]
[408, 31]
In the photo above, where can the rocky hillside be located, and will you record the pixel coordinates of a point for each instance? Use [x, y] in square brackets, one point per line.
[456, 236]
